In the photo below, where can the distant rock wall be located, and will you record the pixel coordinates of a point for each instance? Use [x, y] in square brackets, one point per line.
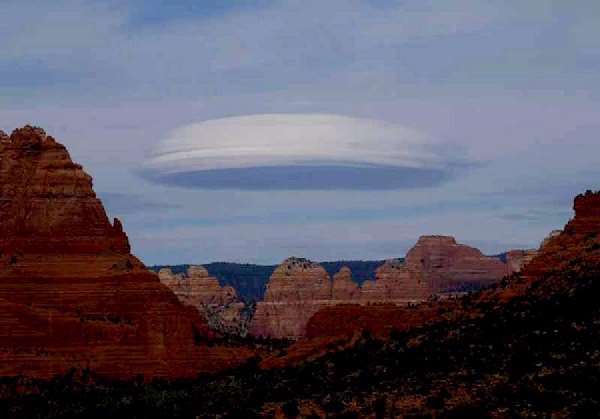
[219, 305]
[297, 289]
[436, 265]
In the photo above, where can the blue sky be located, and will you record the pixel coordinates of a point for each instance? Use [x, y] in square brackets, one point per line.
[509, 89]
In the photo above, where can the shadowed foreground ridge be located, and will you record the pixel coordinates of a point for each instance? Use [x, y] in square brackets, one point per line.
[71, 294]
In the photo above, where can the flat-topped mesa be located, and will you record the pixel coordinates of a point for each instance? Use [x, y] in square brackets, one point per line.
[71, 294]
[48, 204]
[446, 265]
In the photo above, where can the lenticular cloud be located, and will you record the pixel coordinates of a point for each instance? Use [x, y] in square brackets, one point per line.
[297, 151]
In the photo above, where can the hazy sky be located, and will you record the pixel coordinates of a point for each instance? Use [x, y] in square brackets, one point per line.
[255, 130]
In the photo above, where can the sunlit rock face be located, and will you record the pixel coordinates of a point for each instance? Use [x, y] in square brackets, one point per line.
[297, 289]
[71, 293]
[436, 265]
[219, 305]
[445, 265]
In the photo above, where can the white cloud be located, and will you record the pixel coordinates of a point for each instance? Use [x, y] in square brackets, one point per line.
[292, 139]
[347, 147]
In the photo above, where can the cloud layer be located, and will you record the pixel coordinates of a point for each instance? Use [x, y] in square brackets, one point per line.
[298, 151]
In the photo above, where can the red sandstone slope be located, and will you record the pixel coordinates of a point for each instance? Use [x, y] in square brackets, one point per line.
[71, 294]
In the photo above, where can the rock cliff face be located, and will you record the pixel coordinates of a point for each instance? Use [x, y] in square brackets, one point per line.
[219, 305]
[581, 234]
[47, 202]
[71, 294]
[447, 266]
[297, 289]
[516, 260]
[435, 265]
[197, 288]
[343, 287]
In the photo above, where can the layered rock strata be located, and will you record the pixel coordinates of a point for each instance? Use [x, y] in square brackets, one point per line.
[71, 293]
[297, 289]
[219, 305]
[436, 265]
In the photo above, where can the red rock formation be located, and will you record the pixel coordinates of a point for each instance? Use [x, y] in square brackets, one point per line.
[579, 235]
[435, 265]
[446, 265]
[297, 289]
[575, 247]
[197, 288]
[343, 287]
[516, 260]
[71, 294]
[396, 282]
[48, 205]
[219, 305]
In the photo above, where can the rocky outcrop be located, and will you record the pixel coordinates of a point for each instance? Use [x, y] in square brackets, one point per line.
[71, 293]
[396, 282]
[580, 235]
[297, 289]
[219, 305]
[549, 237]
[516, 260]
[197, 288]
[542, 274]
[447, 266]
[343, 287]
[436, 265]
[47, 202]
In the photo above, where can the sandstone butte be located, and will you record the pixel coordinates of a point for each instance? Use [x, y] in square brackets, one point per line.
[337, 326]
[71, 294]
[219, 305]
[435, 265]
